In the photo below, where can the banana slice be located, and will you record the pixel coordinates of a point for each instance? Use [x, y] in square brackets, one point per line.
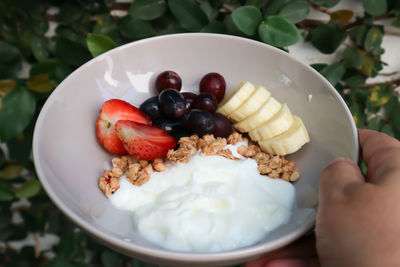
[288, 142]
[252, 104]
[275, 126]
[236, 98]
[263, 114]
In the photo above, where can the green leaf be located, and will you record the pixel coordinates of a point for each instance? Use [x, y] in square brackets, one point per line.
[318, 66]
[376, 68]
[334, 72]
[57, 71]
[395, 119]
[58, 262]
[214, 27]
[109, 259]
[107, 26]
[231, 27]
[359, 116]
[189, 14]
[70, 12]
[355, 80]
[20, 147]
[375, 123]
[326, 3]
[39, 48]
[147, 9]
[135, 29]
[208, 10]
[41, 83]
[247, 18]
[10, 60]
[274, 7]
[373, 40]
[278, 31]
[392, 104]
[73, 53]
[98, 44]
[5, 192]
[11, 171]
[352, 57]
[5, 218]
[363, 167]
[137, 263]
[358, 34]
[256, 3]
[5, 87]
[387, 129]
[396, 22]
[66, 247]
[295, 11]
[67, 33]
[375, 7]
[379, 95]
[339, 88]
[359, 95]
[367, 67]
[28, 189]
[39, 25]
[2, 158]
[327, 37]
[18, 108]
[343, 16]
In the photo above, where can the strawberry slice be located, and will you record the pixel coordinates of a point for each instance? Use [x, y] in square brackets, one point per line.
[112, 111]
[143, 141]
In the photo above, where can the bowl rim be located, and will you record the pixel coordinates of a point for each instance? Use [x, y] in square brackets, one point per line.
[169, 255]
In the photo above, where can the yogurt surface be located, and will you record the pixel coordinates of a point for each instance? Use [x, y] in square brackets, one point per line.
[208, 204]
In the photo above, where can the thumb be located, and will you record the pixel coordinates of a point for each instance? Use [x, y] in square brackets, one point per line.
[338, 178]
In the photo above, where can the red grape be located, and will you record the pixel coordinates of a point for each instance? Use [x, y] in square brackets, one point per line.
[206, 101]
[214, 84]
[168, 79]
[199, 122]
[172, 103]
[151, 108]
[189, 99]
[222, 126]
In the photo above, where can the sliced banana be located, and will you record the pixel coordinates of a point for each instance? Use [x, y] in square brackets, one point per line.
[275, 126]
[251, 105]
[236, 98]
[263, 114]
[288, 142]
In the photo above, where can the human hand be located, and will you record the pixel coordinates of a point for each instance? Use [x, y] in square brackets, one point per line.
[358, 220]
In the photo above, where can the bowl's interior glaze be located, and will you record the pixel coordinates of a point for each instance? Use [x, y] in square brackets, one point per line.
[69, 160]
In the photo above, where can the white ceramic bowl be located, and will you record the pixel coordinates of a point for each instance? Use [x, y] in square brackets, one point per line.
[69, 160]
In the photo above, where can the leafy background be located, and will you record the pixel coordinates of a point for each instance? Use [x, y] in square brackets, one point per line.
[84, 29]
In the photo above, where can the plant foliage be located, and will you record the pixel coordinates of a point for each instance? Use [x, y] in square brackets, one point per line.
[54, 37]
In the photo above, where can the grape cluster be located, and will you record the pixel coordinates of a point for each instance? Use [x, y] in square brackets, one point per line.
[186, 113]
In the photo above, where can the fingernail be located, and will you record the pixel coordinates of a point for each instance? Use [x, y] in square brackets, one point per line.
[340, 159]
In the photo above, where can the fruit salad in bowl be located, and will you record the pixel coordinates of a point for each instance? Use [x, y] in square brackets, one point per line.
[191, 180]
[188, 157]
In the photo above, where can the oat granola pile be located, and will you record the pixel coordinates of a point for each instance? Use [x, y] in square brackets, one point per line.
[138, 172]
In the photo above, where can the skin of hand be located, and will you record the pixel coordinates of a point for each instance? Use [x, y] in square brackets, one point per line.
[358, 219]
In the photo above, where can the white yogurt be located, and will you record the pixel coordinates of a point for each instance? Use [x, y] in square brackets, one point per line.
[208, 204]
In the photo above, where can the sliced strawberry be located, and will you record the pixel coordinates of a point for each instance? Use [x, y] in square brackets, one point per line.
[143, 141]
[112, 111]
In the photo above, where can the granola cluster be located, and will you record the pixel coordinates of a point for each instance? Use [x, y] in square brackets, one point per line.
[187, 148]
[272, 166]
[138, 172]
